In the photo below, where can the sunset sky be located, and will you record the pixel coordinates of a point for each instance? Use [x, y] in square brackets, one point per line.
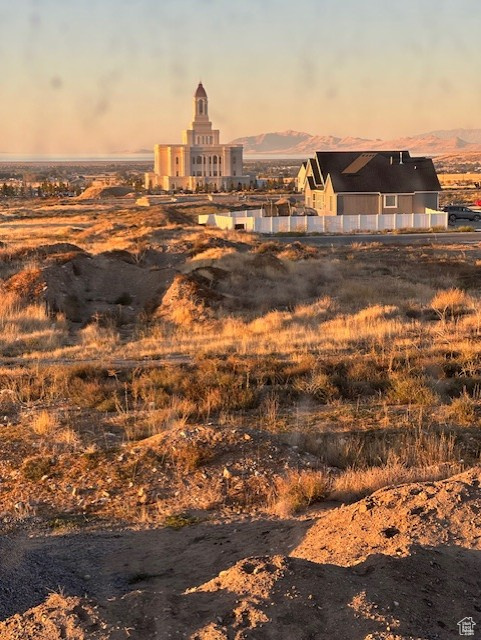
[96, 76]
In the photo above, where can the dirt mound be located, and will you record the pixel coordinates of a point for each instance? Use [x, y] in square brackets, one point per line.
[293, 599]
[114, 284]
[212, 274]
[184, 468]
[57, 618]
[401, 565]
[57, 248]
[92, 193]
[391, 520]
[189, 299]
[106, 285]
[253, 283]
[28, 284]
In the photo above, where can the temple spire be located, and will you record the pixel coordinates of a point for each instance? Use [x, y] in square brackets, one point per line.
[201, 104]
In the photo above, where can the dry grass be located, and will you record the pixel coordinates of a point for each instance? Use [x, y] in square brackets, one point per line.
[367, 358]
[298, 490]
[354, 484]
[44, 423]
[26, 327]
[451, 303]
[462, 410]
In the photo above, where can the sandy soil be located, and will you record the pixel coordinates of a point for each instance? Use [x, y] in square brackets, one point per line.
[402, 564]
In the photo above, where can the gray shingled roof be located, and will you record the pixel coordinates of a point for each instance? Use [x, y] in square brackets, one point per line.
[382, 172]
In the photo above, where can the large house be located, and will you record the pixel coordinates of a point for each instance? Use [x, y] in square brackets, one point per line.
[200, 161]
[368, 182]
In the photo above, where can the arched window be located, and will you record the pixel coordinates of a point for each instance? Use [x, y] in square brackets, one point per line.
[201, 107]
[215, 159]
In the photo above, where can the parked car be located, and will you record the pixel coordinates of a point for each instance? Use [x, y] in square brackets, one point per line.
[478, 203]
[460, 212]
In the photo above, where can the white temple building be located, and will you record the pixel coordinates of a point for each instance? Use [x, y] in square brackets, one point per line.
[200, 162]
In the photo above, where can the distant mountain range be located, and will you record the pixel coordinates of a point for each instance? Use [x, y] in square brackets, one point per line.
[300, 143]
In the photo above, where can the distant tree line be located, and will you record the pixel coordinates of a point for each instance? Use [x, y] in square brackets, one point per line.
[44, 190]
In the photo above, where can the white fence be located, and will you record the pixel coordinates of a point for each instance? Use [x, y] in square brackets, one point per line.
[253, 220]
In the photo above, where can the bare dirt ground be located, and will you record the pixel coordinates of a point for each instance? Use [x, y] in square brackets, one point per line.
[403, 563]
[211, 436]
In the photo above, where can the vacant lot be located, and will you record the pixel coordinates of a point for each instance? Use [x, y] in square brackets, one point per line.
[181, 386]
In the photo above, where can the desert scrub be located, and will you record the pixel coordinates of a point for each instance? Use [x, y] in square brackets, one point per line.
[462, 410]
[319, 386]
[419, 446]
[92, 387]
[451, 303]
[178, 521]
[297, 490]
[408, 389]
[189, 456]
[44, 423]
[269, 416]
[36, 467]
[354, 484]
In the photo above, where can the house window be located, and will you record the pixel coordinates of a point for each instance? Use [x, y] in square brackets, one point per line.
[390, 201]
